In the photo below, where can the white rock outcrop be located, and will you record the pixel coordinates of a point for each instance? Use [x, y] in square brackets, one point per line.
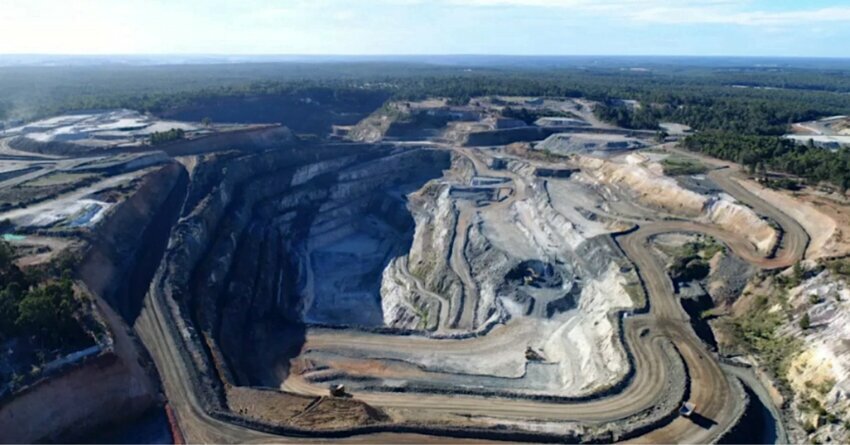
[821, 371]
[646, 182]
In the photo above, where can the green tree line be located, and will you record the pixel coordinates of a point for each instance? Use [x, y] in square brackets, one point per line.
[760, 153]
[34, 306]
[161, 137]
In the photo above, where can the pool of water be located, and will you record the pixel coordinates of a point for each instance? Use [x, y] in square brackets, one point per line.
[151, 428]
[695, 308]
[757, 425]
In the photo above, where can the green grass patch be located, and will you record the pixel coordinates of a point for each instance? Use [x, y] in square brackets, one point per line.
[424, 317]
[757, 332]
[840, 267]
[635, 292]
[709, 313]
[547, 156]
[676, 166]
[690, 261]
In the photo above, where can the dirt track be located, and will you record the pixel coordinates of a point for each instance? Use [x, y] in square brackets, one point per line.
[710, 388]
[465, 312]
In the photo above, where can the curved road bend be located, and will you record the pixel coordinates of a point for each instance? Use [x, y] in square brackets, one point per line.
[726, 175]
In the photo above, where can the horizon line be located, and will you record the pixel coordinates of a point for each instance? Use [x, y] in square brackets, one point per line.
[201, 54]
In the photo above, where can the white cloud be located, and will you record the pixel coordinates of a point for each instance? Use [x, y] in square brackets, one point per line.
[749, 18]
[411, 26]
[682, 12]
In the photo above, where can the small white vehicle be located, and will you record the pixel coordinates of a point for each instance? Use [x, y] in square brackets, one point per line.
[687, 409]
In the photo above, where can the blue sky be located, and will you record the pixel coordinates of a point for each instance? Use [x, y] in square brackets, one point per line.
[516, 27]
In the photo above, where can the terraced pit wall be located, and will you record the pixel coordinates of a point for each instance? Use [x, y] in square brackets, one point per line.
[230, 261]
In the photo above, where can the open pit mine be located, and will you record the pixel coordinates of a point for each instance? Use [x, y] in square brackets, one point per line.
[436, 271]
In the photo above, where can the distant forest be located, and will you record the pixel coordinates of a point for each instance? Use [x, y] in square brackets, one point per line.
[746, 99]
[726, 102]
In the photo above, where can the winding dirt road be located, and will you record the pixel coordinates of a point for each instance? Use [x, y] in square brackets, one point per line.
[647, 336]
[710, 389]
[464, 317]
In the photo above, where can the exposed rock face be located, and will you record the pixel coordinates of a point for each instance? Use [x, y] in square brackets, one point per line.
[289, 235]
[821, 371]
[735, 217]
[590, 346]
[652, 188]
[403, 304]
[124, 250]
[69, 405]
[478, 269]
[435, 216]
